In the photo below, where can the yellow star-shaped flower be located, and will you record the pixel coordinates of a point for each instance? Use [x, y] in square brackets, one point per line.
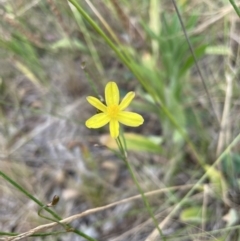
[113, 112]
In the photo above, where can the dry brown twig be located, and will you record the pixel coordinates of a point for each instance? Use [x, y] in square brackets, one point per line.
[91, 211]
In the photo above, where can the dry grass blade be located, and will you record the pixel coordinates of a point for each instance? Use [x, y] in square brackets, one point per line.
[58, 15]
[224, 130]
[224, 135]
[91, 211]
[30, 136]
[218, 16]
[27, 7]
[12, 21]
[126, 21]
[101, 18]
[28, 73]
[141, 226]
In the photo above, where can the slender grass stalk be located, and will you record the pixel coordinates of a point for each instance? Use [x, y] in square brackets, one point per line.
[89, 42]
[129, 62]
[90, 81]
[8, 234]
[190, 192]
[145, 201]
[29, 195]
[236, 8]
[195, 60]
[122, 55]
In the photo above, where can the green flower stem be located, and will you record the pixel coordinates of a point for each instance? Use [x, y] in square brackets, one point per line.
[21, 189]
[237, 10]
[129, 62]
[29, 195]
[146, 203]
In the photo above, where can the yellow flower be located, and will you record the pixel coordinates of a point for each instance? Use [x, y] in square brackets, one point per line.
[113, 112]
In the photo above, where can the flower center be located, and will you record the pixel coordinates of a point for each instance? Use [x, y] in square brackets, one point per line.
[112, 111]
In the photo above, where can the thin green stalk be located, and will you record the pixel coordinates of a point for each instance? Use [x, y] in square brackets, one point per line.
[21, 189]
[184, 135]
[195, 60]
[90, 81]
[236, 8]
[122, 55]
[89, 42]
[146, 203]
[208, 171]
[127, 60]
[29, 195]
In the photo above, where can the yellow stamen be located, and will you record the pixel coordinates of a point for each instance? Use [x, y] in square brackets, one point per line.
[113, 111]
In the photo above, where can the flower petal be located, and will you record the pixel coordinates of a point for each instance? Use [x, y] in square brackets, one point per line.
[126, 100]
[114, 128]
[97, 121]
[96, 103]
[130, 118]
[111, 94]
